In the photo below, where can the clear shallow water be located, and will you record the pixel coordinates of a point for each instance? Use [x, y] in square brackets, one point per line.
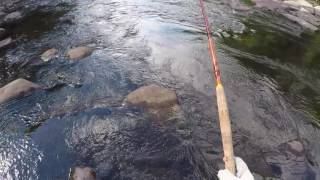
[272, 93]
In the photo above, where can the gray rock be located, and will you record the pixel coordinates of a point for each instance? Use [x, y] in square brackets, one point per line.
[82, 173]
[298, 3]
[272, 5]
[317, 10]
[301, 12]
[309, 10]
[152, 96]
[301, 22]
[237, 5]
[16, 89]
[296, 147]
[79, 52]
[307, 16]
[225, 34]
[49, 54]
[5, 42]
[68, 19]
[160, 103]
[12, 17]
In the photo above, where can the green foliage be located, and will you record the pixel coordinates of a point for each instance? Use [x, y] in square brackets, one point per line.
[316, 1]
[249, 2]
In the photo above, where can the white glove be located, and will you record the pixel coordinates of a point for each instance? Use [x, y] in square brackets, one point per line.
[243, 172]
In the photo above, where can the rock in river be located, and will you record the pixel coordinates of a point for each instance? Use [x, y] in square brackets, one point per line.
[296, 147]
[5, 42]
[79, 52]
[82, 173]
[152, 96]
[49, 54]
[317, 10]
[12, 17]
[301, 22]
[161, 103]
[16, 88]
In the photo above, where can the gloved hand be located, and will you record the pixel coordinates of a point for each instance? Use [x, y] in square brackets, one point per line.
[243, 172]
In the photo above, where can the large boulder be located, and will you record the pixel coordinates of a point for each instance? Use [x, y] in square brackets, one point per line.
[6, 42]
[16, 89]
[49, 54]
[271, 5]
[160, 103]
[152, 96]
[300, 21]
[13, 17]
[82, 173]
[295, 147]
[79, 52]
[309, 17]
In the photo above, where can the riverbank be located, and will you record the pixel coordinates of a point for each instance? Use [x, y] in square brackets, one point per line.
[302, 12]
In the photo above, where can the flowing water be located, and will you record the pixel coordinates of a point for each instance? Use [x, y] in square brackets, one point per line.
[271, 77]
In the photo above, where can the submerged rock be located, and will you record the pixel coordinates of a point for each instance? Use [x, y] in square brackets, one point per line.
[49, 54]
[82, 173]
[271, 5]
[16, 89]
[301, 22]
[5, 42]
[307, 16]
[68, 19]
[12, 17]
[79, 52]
[237, 5]
[296, 147]
[160, 102]
[152, 96]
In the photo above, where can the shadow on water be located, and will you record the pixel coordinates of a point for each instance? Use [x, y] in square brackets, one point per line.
[301, 51]
[291, 61]
[39, 21]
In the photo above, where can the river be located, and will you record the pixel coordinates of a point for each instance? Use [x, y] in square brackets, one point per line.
[270, 73]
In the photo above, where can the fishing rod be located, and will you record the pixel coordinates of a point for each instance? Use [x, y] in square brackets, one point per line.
[224, 119]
